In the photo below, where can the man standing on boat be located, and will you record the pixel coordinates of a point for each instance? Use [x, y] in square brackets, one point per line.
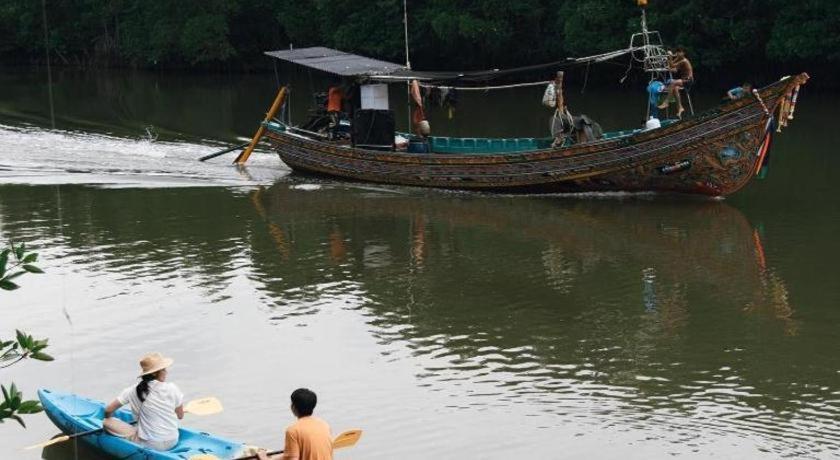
[309, 437]
[553, 98]
[684, 78]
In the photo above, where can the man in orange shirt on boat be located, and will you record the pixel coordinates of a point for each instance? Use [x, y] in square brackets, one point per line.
[335, 97]
[309, 437]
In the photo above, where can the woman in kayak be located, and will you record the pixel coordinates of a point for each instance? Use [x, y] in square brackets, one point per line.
[156, 403]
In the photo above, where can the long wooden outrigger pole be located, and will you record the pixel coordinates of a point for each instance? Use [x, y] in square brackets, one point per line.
[278, 102]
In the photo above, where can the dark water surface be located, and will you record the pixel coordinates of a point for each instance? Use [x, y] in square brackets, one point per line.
[448, 325]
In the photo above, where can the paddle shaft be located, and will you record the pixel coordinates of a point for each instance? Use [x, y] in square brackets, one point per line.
[222, 152]
[68, 437]
[85, 433]
[268, 454]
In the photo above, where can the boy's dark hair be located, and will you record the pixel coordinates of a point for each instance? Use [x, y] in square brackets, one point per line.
[304, 401]
[679, 49]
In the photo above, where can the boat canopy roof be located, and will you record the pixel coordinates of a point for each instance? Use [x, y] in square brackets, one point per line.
[355, 66]
[336, 62]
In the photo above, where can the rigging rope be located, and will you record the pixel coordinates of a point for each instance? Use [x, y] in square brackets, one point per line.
[485, 88]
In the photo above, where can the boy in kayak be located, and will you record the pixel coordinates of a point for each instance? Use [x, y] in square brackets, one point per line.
[156, 403]
[309, 437]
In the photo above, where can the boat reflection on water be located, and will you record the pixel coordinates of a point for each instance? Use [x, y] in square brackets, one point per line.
[670, 249]
[654, 310]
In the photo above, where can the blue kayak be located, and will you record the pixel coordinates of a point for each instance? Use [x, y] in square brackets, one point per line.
[75, 414]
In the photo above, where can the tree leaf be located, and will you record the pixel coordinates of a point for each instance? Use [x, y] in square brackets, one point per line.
[4, 259]
[7, 285]
[30, 258]
[32, 269]
[14, 275]
[41, 356]
[30, 407]
[18, 419]
[20, 250]
[24, 339]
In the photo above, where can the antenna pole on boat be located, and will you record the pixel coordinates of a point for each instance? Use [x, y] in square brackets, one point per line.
[407, 66]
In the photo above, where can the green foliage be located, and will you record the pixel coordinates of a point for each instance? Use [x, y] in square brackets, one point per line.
[806, 30]
[21, 263]
[13, 405]
[24, 345]
[444, 33]
[596, 26]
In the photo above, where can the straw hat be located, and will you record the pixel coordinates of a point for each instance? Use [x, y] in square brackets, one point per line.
[154, 362]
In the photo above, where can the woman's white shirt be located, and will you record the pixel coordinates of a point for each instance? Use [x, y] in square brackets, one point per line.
[156, 415]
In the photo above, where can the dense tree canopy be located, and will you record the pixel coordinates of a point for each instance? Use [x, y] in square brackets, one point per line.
[230, 34]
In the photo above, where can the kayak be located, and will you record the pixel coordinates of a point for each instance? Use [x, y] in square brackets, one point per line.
[75, 414]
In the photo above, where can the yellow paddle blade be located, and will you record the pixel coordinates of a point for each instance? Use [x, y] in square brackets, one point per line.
[204, 457]
[347, 439]
[48, 443]
[204, 406]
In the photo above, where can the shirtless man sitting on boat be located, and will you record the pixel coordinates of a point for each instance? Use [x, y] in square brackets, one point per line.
[309, 437]
[684, 73]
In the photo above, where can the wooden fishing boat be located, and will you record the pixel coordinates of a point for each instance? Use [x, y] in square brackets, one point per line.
[714, 153]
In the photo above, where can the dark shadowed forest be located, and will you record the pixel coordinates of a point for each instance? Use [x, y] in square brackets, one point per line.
[733, 39]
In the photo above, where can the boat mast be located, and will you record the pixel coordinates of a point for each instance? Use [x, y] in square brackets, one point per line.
[407, 66]
[653, 56]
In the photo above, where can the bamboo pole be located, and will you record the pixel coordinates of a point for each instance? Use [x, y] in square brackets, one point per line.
[278, 101]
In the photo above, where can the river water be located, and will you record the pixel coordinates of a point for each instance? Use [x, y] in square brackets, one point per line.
[449, 325]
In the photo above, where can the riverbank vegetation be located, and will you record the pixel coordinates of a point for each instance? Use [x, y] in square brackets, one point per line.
[15, 262]
[740, 38]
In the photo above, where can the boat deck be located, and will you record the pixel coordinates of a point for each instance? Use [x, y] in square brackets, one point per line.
[479, 145]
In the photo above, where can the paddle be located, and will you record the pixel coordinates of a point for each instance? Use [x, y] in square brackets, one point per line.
[202, 406]
[347, 439]
[222, 152]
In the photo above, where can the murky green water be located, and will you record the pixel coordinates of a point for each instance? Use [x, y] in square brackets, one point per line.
[444, 324]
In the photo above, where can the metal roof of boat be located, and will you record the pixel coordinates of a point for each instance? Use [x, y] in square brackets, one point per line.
[336, 62]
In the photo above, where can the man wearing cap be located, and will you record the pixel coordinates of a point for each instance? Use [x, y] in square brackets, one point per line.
[157, 406]
[309, 437]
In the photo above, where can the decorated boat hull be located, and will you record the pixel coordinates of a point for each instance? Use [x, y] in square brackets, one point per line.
[715, 153]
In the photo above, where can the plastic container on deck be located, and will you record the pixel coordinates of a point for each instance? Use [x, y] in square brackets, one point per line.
[418, 146]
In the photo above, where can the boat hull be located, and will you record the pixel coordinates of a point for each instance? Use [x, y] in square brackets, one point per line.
[75, 414]
[715, 153]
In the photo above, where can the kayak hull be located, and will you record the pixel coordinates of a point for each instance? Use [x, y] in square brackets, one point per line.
[74, 414]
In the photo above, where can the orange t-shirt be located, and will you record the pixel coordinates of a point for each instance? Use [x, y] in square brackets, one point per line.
[308, 439]
[334, 96]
